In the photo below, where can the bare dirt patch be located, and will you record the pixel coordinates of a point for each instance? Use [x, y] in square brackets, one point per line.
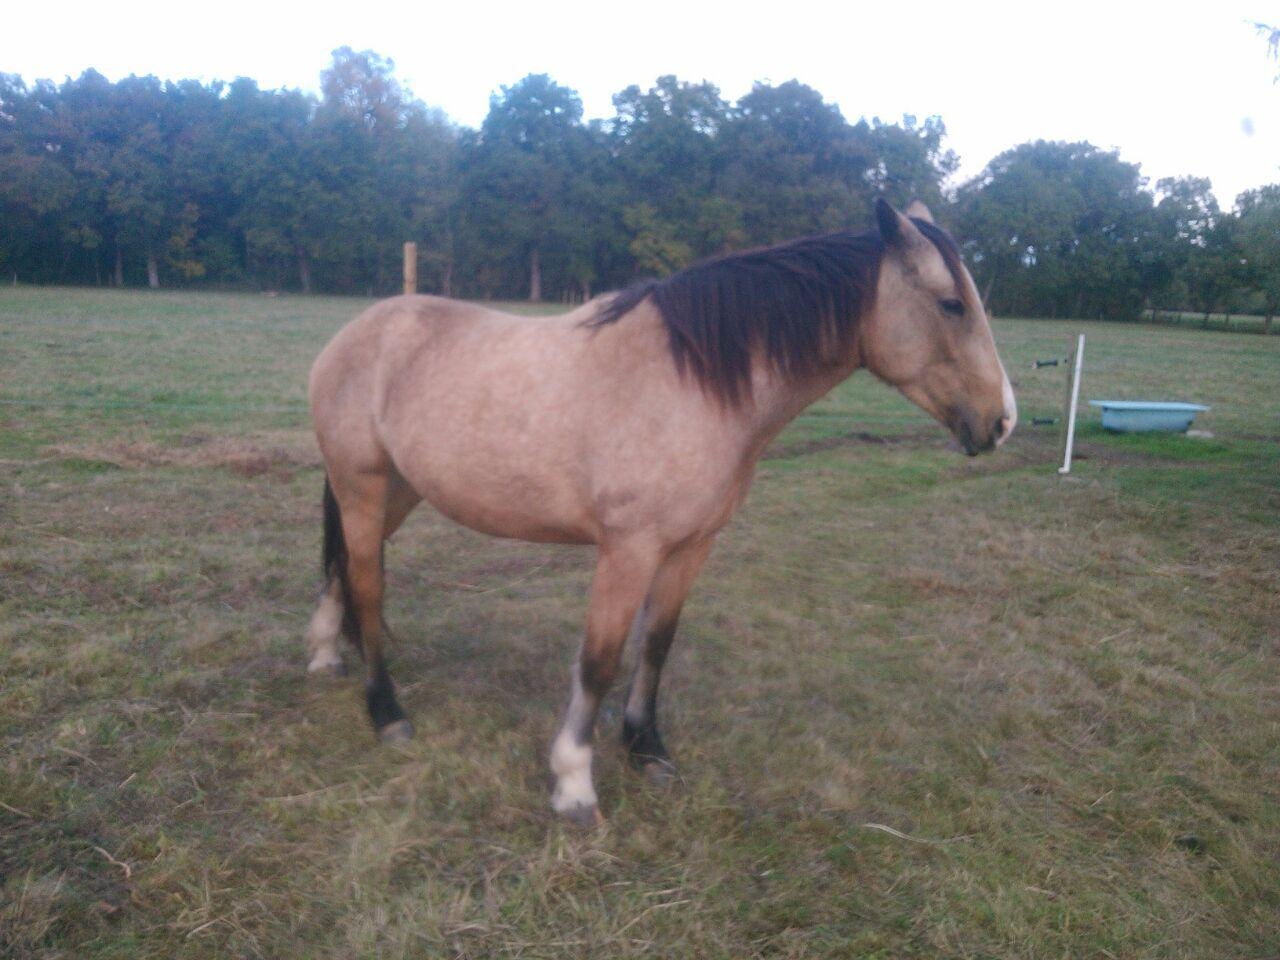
[276, 454]
[780, 450]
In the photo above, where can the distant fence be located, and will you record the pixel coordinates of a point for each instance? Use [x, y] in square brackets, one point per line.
[1232, 323]
[1220, 322]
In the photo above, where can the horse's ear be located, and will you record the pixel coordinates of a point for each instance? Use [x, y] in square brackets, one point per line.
[895, 229]
[919, 211]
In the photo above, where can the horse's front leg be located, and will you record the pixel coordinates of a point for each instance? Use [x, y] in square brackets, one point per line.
[622, 578]
[655, 628]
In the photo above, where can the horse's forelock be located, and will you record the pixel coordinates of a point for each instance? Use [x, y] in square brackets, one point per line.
[946, 247]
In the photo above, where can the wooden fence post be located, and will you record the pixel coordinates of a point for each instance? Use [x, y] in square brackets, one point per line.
[410, 268]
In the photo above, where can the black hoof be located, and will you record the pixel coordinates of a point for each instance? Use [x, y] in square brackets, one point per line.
[401, 731]
[646, 753]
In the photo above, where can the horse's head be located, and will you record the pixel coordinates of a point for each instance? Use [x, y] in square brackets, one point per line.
[928, 333]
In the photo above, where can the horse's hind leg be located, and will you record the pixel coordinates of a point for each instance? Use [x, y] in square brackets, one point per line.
[363, 499]
[326, 626]
[623, 573]
[655, 627]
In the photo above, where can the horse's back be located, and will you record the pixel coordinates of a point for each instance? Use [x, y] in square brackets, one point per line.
[460, 400]
[538, 428]
[437, 336]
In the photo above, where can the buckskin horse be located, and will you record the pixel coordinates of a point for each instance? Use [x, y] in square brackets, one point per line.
[633, 423]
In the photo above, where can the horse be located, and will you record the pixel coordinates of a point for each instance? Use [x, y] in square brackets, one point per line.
[633, 423]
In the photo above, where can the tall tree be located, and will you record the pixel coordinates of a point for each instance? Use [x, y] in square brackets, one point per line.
[1185, 214]
[1057, 229]
[268, 147]
[667, 149]
[131, 150]
[361, 86]
[36, 187]
[1258, 238]
[519, 173]
[909, 162]
[1213, 268]
[794, 166]
[81, 139]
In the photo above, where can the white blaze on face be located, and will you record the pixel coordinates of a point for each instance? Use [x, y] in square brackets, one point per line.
[1009, 405]
[1010, 408]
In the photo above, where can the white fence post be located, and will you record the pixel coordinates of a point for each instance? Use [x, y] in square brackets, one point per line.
[1073, 402]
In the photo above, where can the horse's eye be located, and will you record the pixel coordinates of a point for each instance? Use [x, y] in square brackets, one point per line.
[953, 307]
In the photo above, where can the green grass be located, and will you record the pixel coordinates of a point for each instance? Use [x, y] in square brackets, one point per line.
[924, 705]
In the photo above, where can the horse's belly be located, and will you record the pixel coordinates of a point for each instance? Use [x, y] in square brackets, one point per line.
[514, 524]
[501, 504]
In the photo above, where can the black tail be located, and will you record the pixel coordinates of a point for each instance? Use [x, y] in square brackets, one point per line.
[335, 562]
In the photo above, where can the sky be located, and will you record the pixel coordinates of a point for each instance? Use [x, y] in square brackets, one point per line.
[1184, 89]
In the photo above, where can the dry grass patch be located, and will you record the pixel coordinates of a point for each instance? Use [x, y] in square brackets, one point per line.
[280, 453]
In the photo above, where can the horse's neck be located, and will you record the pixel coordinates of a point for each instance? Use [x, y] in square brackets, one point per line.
[777, 400]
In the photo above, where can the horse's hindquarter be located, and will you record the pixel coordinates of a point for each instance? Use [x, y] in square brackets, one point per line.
[544, 429]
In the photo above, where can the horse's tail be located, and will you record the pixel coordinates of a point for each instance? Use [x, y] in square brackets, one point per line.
[334, 560]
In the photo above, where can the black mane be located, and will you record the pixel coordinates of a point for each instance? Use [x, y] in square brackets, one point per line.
[796, 304]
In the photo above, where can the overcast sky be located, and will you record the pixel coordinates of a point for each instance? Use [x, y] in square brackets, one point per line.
[1182, 88]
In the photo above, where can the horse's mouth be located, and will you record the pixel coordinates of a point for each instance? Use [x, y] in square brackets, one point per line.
[970, 444]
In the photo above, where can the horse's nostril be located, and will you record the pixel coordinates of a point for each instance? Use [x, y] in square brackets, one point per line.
[998, 430]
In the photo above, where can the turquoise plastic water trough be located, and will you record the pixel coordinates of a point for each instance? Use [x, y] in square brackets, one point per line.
[1141, 416]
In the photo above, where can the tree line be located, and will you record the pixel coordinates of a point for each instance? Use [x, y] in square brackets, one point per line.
[181, 183]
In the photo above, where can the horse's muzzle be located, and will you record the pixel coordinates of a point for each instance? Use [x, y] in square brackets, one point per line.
[982, 440]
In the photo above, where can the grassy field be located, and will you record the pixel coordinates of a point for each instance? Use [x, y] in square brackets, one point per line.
[925, 706]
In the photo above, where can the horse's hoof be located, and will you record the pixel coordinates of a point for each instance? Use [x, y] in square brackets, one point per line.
[658, 773]
[656, 766]
[401, 731]
[326, 668]
[583, 816]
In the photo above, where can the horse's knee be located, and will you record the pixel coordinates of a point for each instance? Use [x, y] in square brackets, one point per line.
[596, 670]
